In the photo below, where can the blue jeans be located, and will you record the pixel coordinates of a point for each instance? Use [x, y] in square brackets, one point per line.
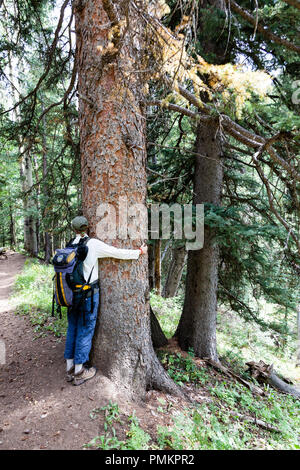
[81, 331]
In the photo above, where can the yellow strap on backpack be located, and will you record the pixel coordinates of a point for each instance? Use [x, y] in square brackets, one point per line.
[84, 288]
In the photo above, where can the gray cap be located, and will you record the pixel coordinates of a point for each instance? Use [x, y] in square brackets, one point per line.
[79, 223]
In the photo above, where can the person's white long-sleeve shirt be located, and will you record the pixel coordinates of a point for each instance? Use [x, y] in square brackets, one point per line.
[98, 249]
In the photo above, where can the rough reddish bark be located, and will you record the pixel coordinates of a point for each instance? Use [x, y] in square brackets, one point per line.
[112, 146]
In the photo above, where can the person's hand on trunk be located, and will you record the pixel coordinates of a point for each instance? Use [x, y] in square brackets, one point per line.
[144, 249]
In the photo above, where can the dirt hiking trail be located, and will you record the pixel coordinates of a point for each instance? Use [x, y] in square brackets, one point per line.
[38, 408]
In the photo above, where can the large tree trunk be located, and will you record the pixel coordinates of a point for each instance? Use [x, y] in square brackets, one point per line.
[55, 238]
[157, 267]
[178, 260]
[158, 337]
[112, 146]
[151, 271]
[197, 326]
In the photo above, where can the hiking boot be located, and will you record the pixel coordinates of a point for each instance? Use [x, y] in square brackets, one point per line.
[84, 375]
[70, 374]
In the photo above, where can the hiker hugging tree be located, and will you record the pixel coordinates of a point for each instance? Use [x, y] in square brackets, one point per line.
[112, 47]
[77, 287]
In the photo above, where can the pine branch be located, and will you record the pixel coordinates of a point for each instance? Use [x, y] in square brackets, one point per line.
[263, 29]
[178, 109]
[243, 135]
[271, 200]
[51, 57]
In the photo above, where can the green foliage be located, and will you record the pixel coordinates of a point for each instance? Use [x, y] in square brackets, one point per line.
[257, 254]
[136, 437]
[214, 424]
[217, 426]
[258, 257]
[42, 126]
[224, 422]
[183, 369]
[168, 312]
[239, 342]
[199, 430]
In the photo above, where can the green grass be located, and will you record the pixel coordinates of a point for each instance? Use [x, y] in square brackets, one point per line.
[220, 423]
[215, 425]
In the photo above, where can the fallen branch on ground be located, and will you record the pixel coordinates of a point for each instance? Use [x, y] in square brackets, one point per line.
[264, 373]
[256, 421]
[218, 366]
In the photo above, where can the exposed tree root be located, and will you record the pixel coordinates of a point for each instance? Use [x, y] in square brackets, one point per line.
[158, 379]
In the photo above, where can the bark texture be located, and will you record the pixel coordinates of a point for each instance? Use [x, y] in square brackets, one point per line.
[112, 145]
[179, 256]
[47, 237]
[12, 229]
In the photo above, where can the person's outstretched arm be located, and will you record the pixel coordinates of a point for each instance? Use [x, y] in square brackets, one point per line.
[102, 250]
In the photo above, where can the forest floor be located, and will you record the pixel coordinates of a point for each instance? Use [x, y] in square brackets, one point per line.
[38, 408]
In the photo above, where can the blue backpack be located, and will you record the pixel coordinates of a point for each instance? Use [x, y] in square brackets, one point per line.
[69, 286]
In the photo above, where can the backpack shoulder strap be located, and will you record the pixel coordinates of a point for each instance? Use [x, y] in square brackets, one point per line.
[70, 243]
[88, 281]
[83, 241]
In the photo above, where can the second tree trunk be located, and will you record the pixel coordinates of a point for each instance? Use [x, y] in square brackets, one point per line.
[197, 326]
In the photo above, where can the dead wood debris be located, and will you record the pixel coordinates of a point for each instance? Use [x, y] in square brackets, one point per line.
[218, 366]
[264, 373]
